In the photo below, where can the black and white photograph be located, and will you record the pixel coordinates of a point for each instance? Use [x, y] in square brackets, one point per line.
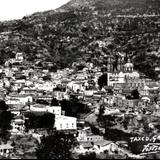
[80, 79]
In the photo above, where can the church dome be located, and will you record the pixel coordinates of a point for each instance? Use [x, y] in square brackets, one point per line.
[128, 67]
[128, 64]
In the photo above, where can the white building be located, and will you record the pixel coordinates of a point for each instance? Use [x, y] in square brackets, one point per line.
[65, 123]
[60, 95]
[83, 136]
[28, 90]
[121, 73]
[18, 99]
[18, 124]
[7, 82]
[56, 110]
[28, 83]
[61, 122]
[98, 147]
[19, 83]
[6, 150]
[89, 92]
[116, 78]
[46, 86]
[19, 57]
[38, 108]
[8, 72]
[13, 101]
[76, 85]
[1, 83]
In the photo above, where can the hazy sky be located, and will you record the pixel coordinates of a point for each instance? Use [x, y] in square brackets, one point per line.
[15, 9]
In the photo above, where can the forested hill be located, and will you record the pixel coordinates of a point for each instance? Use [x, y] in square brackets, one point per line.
[88, 29]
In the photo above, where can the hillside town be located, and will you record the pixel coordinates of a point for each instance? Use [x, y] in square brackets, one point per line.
[82, 82]
[110, 99]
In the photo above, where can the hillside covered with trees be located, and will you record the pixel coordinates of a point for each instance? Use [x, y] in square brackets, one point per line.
[88, 29]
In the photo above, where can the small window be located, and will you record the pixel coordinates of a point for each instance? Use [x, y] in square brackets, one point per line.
[67, 125]
[60, 125]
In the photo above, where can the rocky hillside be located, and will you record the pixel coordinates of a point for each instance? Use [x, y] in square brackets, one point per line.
[90, 30]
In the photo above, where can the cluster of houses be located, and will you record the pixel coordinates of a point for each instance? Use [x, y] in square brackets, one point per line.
[24, 84]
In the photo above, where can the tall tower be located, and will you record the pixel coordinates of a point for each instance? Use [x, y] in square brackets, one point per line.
[110, 65]
[120, 64]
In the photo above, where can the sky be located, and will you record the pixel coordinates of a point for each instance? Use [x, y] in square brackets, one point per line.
[16, 9]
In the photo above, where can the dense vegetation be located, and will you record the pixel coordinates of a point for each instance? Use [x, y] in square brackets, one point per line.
[74, 107]
[38, 120]
[5, 121]
[24, 144]
[57, 146]
[89, 29]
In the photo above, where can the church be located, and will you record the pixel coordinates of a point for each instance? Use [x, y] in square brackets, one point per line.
[118, 72]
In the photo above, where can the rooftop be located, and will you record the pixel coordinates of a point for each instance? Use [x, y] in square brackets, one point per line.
[65, 117]
[6, 146]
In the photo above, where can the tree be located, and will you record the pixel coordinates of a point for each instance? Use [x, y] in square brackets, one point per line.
[57, 146]
[129, 97]
[5, 120]
[39, 120]
[101, 112]
[47, 78]
[41, 101]
[110, 120]
[80, 67]
[3, 106]
[54, 102]
[102, 81]
[25, 144]
[135, 94]
[126, 122]
[73, 107]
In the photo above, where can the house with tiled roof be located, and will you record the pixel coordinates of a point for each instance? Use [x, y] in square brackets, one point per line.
[56, 110]
[47, 97]
[28, 90]
[6, 149]
[18, 83]
[151, 89]
[17, 125]
[86, 136]
[17, 109]
[21, 99]
[89, 142]
[45, 85]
